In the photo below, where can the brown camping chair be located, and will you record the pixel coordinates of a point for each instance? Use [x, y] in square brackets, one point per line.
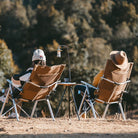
[42, 82]
[110, 89]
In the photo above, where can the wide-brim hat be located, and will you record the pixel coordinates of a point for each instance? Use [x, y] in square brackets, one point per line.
[38, 55]
[119, 59]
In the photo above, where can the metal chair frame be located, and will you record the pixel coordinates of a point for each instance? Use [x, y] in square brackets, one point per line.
[10, 91]
[91, 102]
[44, 96]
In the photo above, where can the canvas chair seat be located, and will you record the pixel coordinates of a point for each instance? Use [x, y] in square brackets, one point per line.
[110, 88]
[42, 82]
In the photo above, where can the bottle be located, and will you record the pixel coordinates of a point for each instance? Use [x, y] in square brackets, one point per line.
[79, 92]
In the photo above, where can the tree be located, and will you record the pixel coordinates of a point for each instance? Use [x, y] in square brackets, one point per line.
[7, 65]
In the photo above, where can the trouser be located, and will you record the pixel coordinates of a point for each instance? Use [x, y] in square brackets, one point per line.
[79, 91]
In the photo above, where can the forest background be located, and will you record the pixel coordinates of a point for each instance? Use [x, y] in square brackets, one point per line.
[91, 29]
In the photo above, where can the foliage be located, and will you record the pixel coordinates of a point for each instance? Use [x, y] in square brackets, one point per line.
[7, 66]
[91, 28]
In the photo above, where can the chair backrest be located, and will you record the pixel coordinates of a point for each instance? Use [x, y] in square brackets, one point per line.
[42, 76]
[110, 92]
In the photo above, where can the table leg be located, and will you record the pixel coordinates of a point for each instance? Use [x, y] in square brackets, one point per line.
[75, 104]
[69, 100]
[61, 101]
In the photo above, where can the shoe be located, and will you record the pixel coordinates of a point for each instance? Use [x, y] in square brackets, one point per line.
[13, 115]
[2, 98]
[83, 115]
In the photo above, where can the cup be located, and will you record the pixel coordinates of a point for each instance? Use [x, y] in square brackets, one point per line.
[66, 79]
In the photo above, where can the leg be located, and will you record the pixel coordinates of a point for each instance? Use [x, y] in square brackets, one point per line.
[15, 109]
[90, 100]
[20, 104]
[79, 90]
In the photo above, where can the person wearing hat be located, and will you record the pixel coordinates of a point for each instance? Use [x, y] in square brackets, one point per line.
[18, 80]
[119, 59]
[38, 58]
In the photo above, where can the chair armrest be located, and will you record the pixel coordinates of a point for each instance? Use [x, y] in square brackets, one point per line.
[10, 82]
[116, 82]
[125, 92]
[83, 82]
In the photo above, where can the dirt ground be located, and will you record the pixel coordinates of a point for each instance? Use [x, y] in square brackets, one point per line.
[65, 127]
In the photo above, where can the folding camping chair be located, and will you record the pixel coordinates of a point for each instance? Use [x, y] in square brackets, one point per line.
[43, 80]
[109, 90]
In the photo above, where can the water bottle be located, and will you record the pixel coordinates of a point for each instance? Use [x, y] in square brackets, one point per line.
[3, 91]
[79, 92]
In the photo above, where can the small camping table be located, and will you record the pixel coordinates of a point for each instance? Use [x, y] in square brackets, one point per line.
[68, 86]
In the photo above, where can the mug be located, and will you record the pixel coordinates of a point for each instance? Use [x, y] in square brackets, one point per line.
[66, 79]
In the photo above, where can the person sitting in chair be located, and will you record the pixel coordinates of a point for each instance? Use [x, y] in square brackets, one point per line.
[18, 80]
[119, 59]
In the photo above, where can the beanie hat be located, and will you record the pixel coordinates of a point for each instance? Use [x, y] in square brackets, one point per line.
[38, 55]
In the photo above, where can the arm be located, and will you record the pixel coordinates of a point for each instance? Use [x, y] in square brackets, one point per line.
[97, 78]
[22, 77]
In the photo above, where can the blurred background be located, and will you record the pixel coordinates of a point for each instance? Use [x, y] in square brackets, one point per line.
[90, 28]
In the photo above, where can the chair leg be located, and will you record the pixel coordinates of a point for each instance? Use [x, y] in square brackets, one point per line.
[34, 107]
[122, 112]
[14, 105]
[50, 109]
[90, 102]
[93, 110]
[22, 110]
[7, 111]
[82, 101]
[13, 101]
[105, 111]
[3, 105]
[15, 108]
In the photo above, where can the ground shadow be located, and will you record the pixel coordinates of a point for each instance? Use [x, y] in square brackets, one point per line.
[75, 135]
